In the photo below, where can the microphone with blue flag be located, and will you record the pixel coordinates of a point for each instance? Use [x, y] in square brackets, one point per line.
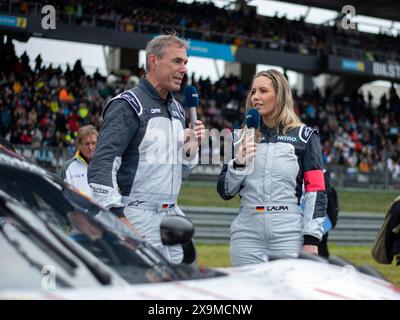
[191, 102]
[253, 119]
[252, 123]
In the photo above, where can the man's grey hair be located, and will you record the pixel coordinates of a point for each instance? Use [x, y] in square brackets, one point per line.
[157, 45]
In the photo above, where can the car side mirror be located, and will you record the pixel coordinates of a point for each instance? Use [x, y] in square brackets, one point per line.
[176, 230]
[179, 230]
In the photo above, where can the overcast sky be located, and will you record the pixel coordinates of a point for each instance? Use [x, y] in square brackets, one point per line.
[92, 56]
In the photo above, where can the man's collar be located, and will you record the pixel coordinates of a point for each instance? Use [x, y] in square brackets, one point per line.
[149, 88]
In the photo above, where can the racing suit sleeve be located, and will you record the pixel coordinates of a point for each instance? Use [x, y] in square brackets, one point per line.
[315, 200]
[231, 177]
[119, 127]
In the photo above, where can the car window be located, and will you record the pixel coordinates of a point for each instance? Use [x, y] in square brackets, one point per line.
[135, 262]
[11, 187]
[27, 253]
[31, 191]
[47, 212]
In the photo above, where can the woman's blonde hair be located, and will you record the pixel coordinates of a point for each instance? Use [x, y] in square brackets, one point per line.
[283, 116]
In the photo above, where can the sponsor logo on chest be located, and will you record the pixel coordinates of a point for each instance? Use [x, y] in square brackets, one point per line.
[155, 111]
[287, 138]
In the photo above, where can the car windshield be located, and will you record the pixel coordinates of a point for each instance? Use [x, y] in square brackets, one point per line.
[94, 228]
[30, 252]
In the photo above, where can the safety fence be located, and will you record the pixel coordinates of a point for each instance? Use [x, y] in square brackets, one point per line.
[52, 158]
[353, 229]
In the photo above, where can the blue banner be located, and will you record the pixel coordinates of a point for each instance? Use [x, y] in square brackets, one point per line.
[353, 65]
[212, 50]
[11, 21]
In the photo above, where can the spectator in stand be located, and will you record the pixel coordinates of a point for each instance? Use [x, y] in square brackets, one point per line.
[331, 217]
[38, 65]
[25, 137]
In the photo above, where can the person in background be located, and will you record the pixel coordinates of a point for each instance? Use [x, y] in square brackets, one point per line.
[386, 247]
[7, 144]
[74, 171]
[332, 213]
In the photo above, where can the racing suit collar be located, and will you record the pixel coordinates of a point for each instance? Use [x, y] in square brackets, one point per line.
[145, 85]
[79, 156]
[267, 131]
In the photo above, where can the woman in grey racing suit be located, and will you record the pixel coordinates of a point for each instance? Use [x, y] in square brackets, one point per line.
[268, 171]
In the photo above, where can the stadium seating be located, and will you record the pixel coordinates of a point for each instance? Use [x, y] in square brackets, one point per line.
[205, 21]
[46, 106]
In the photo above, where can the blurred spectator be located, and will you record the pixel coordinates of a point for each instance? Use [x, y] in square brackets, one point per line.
[38, 63]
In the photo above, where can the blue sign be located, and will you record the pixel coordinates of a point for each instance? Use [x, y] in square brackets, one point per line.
[212, 50]
[353, 65]
[11, 21]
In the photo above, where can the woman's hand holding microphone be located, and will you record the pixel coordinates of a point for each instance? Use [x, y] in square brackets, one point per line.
[246, 152]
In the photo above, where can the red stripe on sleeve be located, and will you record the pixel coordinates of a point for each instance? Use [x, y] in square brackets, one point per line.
[314, 181]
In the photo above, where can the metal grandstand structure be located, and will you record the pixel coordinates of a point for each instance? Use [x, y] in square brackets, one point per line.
[388, 9]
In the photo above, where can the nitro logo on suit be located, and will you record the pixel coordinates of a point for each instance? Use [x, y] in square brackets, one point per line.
[286, 138]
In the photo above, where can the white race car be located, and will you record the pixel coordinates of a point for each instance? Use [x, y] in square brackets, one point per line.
[40, 262]
[57, 244]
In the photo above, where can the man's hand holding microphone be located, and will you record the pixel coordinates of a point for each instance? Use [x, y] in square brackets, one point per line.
[195, 134]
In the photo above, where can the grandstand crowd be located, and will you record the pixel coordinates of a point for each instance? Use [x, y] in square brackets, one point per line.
[208, 22]
[45, 106]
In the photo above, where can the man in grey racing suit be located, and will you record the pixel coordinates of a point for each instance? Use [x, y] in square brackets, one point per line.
[140, 158]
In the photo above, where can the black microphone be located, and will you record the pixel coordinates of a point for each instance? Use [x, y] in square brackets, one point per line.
[191, 102]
